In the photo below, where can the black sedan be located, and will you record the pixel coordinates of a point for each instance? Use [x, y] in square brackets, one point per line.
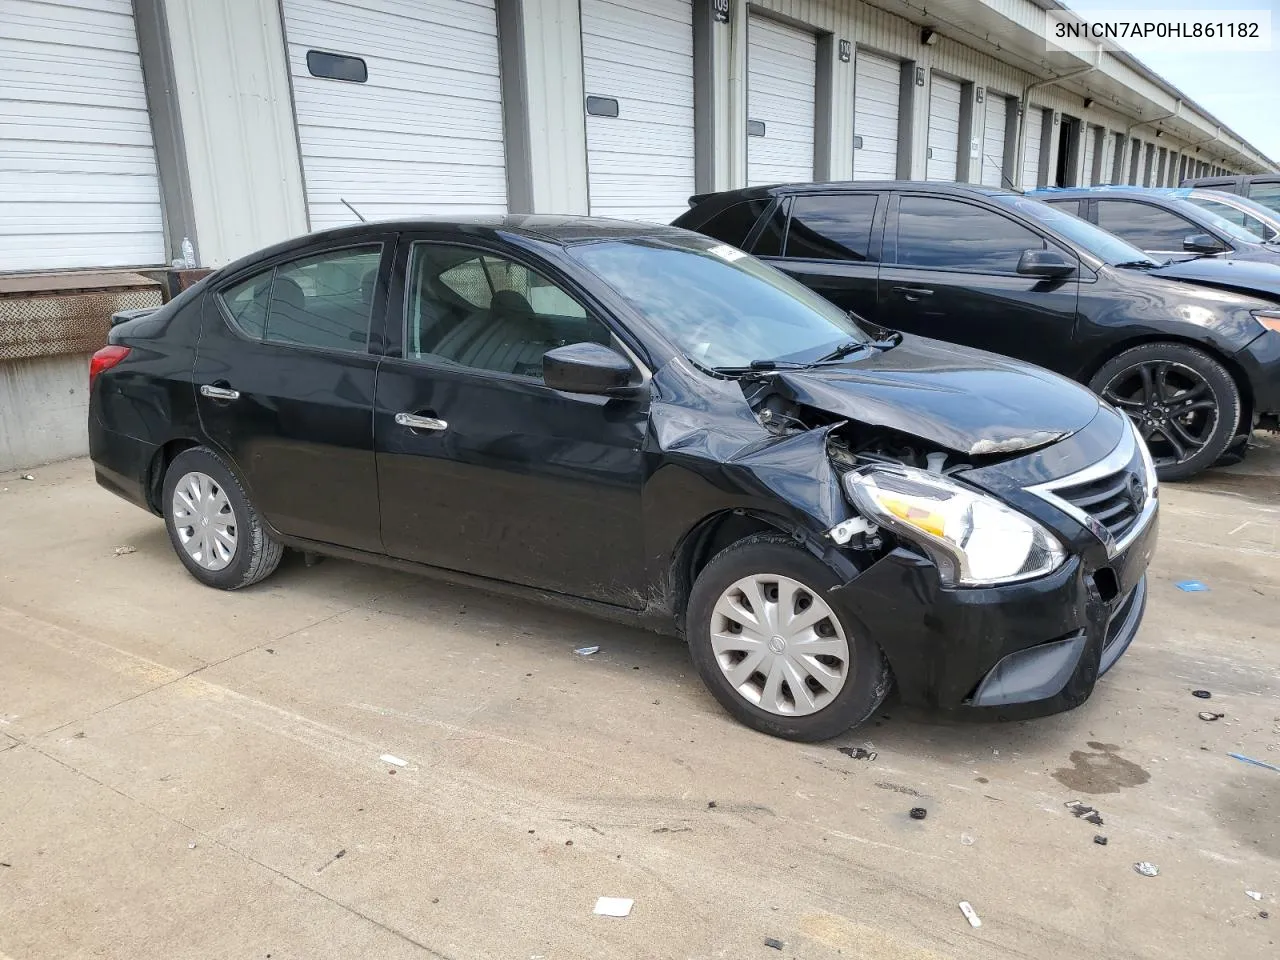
[1196, 368]
[651, 425]
[1166, 223]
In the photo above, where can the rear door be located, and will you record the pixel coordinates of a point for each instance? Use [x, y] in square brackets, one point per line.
[949, 272]
[833, 247]
[508, 479]
[284, 382]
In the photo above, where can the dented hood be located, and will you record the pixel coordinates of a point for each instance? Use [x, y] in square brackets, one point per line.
[969, 401]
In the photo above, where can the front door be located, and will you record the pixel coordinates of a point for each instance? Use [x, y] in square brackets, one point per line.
[949, 272]
[481, 467]
[284, 386]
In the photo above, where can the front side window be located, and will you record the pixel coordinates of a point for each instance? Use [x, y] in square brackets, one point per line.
[326, 300]
[474, 309]
[949, 235]
[717, 305]
[1105, 246]
[1236, 216]
[1066, 206]
[1145, 225]
[831, 228]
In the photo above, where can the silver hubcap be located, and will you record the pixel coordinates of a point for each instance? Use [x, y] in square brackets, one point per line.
[779, 644]
[205, 522]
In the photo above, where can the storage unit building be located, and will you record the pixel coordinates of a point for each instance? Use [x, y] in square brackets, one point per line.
[877, 96]
[399, 107]
[944, 128]
[78, 179]
[637, 66]
[781, 85]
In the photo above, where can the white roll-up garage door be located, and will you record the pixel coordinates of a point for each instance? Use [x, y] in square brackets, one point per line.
[639, 62]
[944, 128]
[423, 133]
[78, 180]
[781, 76]
[877, 91]
[1090, 144]
[1034, 122]
[993, 140]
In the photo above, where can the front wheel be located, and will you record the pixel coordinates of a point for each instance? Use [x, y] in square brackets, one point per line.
[773, 650]
[1184, 403]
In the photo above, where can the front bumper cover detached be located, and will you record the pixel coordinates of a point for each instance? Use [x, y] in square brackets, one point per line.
[1017, 650]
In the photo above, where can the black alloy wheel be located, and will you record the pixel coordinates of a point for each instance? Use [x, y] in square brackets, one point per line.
[1184, 404]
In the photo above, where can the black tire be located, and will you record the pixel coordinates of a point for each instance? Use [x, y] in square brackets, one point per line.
[1185, 443]
[867, 682]
[256, 554]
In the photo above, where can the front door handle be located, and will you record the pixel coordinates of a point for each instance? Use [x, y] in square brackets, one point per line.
[219, 393]
[415, 421]
[913, 294]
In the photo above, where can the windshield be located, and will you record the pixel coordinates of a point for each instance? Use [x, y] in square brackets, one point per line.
[720, 306]
[1107, 247]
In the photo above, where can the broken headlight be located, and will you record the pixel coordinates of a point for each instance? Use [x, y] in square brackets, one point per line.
[974, 539]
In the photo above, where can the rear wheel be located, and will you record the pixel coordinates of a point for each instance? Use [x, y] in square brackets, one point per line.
[774, 650]
[214, 529]
[1184, 403]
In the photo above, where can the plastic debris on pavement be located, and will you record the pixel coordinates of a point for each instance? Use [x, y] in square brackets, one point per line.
[1208, 715]
[858, 753]
[774, 943]
[1192, 586]
[1257, 763]
[1253, 894]
[970, 914]
[1099, 839]
[27, 476]
[613, 907]
[1202, 694]
[1147, 869]
[967, 840]
[395, 761]
[586, 651]
[124, 551]
[1090, 814]
[919, 813]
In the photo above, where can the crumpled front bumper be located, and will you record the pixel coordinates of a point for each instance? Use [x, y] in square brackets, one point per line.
[1016, 650]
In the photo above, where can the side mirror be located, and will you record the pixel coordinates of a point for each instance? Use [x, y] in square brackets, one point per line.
[586, 368]
[1202, 243]
[1045, 263]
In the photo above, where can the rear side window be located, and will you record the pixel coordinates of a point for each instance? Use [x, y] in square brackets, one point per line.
[1146, 226]
[325, 301]
[734, 223]
[1066, 206]
[949, 235]
[831, 228]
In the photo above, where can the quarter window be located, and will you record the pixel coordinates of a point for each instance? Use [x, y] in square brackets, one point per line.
[831, 228]
[950, 235]
[1144, 225]
[734, 223]
[1066, 206]
[483, 311]
[247, 304]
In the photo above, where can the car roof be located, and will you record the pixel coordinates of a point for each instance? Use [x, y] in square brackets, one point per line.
[846, 186]
[1119, 189]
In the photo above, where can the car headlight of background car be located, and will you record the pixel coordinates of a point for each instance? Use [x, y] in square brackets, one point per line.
[974, 539]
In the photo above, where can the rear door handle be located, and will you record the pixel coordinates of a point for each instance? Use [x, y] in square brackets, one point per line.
[913, 294]
[219, 393]
[415, 421]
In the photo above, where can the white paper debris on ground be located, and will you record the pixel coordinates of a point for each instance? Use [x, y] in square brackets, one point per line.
[1147, 869]
[586, 651]
[125, 550]
[613, 907]
[27, 476]
[970, 914]
[1253, 894]
[388, 758]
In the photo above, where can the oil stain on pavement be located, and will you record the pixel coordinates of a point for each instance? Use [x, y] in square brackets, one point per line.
[1100, 770]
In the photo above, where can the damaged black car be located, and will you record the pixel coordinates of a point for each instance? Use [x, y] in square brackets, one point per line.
[650, 425]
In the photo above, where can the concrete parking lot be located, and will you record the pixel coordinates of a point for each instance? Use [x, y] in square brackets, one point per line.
[187, 773]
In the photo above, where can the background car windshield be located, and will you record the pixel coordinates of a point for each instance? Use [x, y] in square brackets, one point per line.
[720, 306]
[1107, 247]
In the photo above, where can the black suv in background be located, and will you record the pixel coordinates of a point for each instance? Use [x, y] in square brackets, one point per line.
[1168, 223]
[1263, 188]
[1194, 367]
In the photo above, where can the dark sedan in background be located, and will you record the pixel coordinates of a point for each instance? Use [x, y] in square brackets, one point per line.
[653, 425]
[1167, 224]
[1194, 367]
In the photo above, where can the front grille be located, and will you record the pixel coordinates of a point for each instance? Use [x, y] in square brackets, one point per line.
[1114, 501]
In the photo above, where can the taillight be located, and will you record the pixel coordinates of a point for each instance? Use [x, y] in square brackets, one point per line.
[105, 359]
